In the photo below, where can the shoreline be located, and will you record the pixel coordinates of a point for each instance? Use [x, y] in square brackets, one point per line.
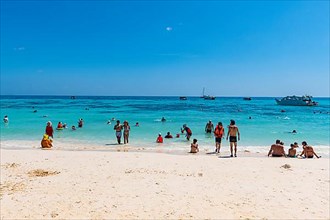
[37, 184]
[183, 149]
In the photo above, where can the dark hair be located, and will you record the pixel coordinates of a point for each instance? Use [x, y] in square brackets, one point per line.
[232, 122]
[118, 121]
[291, 145]
[304, 143]
[278, 141]
[219, 123]
[195, 140]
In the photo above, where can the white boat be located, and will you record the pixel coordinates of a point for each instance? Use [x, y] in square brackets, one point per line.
[305, 100]
[207, 97]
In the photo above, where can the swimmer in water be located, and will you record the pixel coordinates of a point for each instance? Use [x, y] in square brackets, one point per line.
[6, 119]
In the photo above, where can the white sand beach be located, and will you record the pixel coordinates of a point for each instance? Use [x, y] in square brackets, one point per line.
[58, 184]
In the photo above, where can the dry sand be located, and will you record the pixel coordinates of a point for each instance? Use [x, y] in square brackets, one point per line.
[54, 184]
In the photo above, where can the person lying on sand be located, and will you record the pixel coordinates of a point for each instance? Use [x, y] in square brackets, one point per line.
[277, 150]
[308, 151]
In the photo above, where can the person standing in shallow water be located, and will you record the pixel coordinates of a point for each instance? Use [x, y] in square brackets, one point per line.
[49, 129]
[209, 127]
[234, 136]
[127, 128]
[118, 127]
[218, 134]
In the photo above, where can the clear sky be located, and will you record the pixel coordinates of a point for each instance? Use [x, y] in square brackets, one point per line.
[232, 48]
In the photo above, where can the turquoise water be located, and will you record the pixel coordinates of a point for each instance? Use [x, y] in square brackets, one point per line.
[267, 124]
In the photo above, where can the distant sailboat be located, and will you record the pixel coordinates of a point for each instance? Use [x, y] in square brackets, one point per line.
[207, 97]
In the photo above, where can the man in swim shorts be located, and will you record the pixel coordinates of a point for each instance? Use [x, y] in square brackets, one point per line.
[308, 151]
[233, 134]
[277, 150]
[118, 128]
[209, 127]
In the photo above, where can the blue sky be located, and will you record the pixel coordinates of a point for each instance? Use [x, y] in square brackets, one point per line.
[238, 48]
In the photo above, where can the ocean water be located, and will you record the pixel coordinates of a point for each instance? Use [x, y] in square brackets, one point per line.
[267, 122]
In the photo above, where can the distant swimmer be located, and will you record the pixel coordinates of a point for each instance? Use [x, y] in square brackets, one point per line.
[59, 125]
[159, 138]
[187, 130]
[109, 122]
[234, 136]
[308, 151]
[282, 110]
[6, 119]
[168, 135]
[73, 127]
[209, 127]
[294, 132]
[137, 124]
[46, 142]
[194, 147]
[80, 123]
[113, 119]
[163, 119]
[35, 111]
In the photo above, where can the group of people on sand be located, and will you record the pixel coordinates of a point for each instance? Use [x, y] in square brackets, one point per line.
[277, 150]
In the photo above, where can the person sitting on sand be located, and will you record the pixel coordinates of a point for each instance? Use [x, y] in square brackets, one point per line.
[277, 150]
[308, 151]
[292, 151]
[187, 130]
[194, 147]
[168, 135]
[295, 144]
[46, 142]
[159, 138]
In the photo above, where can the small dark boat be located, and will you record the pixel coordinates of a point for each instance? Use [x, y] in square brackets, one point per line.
[208, 97]
[183, 98]
[247, 98]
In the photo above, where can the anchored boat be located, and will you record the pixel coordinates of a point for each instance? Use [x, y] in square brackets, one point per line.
[305, 100]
